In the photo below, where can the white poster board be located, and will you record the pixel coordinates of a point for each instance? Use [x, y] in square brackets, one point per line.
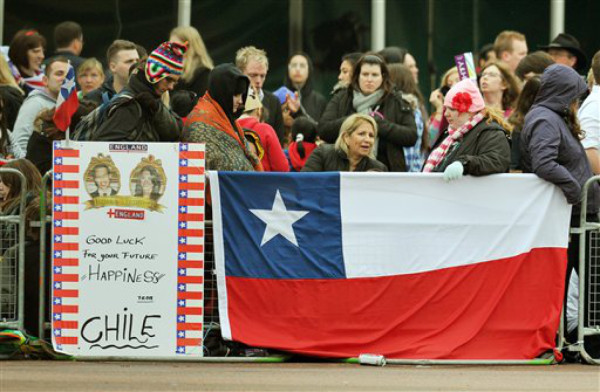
[128, 249]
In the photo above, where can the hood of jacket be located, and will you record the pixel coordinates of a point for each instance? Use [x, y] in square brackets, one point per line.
[560, 85]
[40, 94]
[139, 84]
[225, 81]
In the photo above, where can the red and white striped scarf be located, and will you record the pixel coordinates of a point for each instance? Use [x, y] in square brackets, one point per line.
[454, 135]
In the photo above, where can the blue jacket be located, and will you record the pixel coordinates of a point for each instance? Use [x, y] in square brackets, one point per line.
[548, 147]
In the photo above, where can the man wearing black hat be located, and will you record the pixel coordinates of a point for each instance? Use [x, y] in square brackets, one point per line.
[565, 49]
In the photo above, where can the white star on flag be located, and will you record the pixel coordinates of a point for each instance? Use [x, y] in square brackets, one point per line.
[68, 85]
[279, 220]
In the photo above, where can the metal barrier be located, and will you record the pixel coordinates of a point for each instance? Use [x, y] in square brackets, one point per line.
[12, 262]
[43, 326]
[589, 277]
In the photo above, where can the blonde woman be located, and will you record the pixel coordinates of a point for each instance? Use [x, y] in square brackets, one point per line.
[197, 62]
[90, 76]
[353, 150]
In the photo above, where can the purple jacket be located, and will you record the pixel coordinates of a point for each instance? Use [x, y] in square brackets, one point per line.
[548, 148]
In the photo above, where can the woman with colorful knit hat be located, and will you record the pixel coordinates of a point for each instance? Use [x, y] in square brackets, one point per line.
[475, 142]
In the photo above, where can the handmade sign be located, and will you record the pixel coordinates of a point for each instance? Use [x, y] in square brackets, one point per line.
[128, 249]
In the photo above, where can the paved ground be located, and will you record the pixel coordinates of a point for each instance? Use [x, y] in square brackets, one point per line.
[156, 376]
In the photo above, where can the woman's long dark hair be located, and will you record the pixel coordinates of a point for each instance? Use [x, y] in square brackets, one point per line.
[404, 81]
[524, 102]
[570, 117]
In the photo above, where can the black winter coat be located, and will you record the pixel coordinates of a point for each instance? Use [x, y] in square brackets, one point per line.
[396, 131]
[326, 158]
[132, 120]
[314, 103]
[485, 149]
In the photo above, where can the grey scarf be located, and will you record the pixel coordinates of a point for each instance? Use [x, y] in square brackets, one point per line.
[363, 103]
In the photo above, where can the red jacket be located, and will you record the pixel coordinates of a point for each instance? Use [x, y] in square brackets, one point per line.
[274, 158]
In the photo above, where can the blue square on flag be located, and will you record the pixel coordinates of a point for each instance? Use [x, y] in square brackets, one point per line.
[291, 225]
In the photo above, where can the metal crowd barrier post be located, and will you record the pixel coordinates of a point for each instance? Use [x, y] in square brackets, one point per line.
[591, 326]
[12, 277]
[43, 234]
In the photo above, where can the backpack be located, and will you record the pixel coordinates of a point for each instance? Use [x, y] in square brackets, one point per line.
[89, 124]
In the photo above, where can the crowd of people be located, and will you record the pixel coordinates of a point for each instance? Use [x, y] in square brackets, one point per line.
[525, 112]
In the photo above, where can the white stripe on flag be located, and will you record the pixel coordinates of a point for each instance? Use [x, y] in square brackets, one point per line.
[411, 223]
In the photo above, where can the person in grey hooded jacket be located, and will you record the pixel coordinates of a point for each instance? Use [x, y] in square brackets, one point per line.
[550, 140]
[551, 146]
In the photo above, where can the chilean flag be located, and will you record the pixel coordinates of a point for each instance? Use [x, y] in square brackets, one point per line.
[67, 102]
[402, 265]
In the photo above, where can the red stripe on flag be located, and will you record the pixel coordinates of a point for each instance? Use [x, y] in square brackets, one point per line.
[500, 309]
[190, 264]
[66, 168]
[191, 248]
[191, 154]
[65, 339]
[191, 170]
[189, 326]
[191, 202]
[66, 246]
[189, 311]
[190, 279]
[66, 277]
[66, 262]
[66, 199]
[66, 293]
[65, 324]
[191, 217]
[66, 184]
[66, 230]
[66, 215]
[190, 295]
[197, 186]
[190, 233]
[189, 342]
[66, 153]
[65, 309]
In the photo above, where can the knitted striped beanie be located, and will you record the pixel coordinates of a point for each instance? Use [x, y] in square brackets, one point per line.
[165, 60]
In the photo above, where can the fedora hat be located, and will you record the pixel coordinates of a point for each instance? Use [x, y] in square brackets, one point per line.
[569, 43]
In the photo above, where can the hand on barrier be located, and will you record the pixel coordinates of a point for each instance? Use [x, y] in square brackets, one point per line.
[454, 171]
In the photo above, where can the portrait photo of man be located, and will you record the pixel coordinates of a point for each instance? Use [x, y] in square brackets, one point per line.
[101, 177]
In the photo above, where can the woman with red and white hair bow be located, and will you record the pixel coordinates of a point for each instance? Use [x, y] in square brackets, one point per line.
[476, 141]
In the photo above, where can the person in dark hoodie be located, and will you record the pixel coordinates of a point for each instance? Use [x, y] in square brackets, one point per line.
[138, 113]
[551, 146]
[299, 79]
[213, 121]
